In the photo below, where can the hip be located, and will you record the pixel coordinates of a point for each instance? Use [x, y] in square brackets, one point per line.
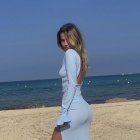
[79, 103]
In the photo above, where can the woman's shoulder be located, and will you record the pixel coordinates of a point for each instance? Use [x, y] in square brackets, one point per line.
[71, 52]
[72, 55]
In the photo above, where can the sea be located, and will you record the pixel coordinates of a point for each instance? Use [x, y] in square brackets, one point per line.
[48, 92]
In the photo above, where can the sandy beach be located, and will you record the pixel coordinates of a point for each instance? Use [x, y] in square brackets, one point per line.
[111, 121]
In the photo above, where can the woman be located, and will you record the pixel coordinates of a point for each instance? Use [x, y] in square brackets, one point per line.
[75, 116]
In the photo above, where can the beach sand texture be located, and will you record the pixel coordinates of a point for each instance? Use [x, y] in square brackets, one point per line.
[111, 121]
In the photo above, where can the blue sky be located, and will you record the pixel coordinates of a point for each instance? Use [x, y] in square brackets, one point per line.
[28, 48]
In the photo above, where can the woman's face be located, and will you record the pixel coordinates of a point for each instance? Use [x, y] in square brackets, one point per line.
[63, 41]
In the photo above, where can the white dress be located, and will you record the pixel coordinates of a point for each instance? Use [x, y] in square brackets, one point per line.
[75, 111]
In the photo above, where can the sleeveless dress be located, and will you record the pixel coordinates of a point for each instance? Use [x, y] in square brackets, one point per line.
[75, 112]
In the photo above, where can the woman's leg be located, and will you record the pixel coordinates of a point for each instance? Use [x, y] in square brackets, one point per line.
[56, 134]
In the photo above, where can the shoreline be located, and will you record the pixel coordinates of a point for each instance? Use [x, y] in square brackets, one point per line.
[112, 100]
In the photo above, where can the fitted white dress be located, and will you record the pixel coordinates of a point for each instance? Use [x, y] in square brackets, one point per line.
[75, 111]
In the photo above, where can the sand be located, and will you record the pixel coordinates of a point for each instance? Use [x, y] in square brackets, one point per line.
[111, 121]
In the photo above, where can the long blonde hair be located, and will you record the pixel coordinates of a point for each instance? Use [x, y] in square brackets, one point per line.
[75, 41]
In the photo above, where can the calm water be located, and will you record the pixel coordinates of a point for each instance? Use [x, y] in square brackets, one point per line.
[95, 89]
